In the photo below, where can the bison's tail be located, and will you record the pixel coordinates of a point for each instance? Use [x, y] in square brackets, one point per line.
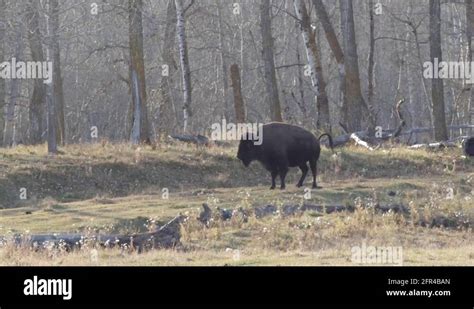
[329, 138]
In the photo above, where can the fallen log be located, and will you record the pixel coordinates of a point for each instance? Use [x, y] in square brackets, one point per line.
[341, 140]
[290, 210]
[446, 222]
[387, 134]
[167, 236]
[438, 145]
[326, 208]
[193, 139]
[360, 142]
[430, 129]
[263, 211]
[458, 221]
[396, 208]
[287, 210]
[367, 137]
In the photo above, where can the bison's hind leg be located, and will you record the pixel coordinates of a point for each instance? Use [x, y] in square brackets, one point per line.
[304, 170]
[314, 168]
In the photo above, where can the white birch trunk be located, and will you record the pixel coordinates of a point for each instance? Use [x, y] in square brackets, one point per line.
[184, 61]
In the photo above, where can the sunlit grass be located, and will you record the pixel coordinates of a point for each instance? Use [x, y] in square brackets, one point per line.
[117, 188]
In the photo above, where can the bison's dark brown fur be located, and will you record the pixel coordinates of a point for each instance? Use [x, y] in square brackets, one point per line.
[283, 146]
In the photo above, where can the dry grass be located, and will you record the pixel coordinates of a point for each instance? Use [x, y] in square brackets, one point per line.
[117, 189]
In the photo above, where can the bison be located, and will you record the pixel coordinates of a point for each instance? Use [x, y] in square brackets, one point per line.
[469, 147]
[283, 146]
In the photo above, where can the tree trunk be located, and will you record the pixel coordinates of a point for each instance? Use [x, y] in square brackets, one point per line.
[184, 61]
[370, 69]
[51, 120]
[243, 65]
[167, 110]
[354, 104]
[470, 51]
[37, 102]
[437, 87]
[302, 103]
[413, 105]
[2, 81]
[329, 31]
[9, 134]
[269, 62]
[57, 78]
[140, 131]
[314, 60]
[333, 44]
[238, 101]
[135, 133]
[423, 80]
[225, 83]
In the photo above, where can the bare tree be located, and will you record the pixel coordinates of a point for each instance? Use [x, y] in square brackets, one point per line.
[38, 97]
[437, 87]
[239, 106]
[167, 109]
[51, 120]
[470, 51]
[329, 32]
[96, 64]
[140, 131]
[354, 104]
[2, 57]
[301, 89]
[314, 60]
[53, 20]
[223, 54]
[269, 61]
[370, 69]
[334, 45]
[184, 61]
[10, 130]
[243, 61]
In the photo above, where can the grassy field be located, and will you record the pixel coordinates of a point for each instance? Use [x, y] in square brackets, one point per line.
[106, 188]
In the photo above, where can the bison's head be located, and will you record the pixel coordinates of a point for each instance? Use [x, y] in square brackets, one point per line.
[247, 151]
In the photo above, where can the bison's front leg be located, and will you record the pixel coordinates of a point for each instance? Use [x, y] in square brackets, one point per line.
[283, 172]
[274, 175]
